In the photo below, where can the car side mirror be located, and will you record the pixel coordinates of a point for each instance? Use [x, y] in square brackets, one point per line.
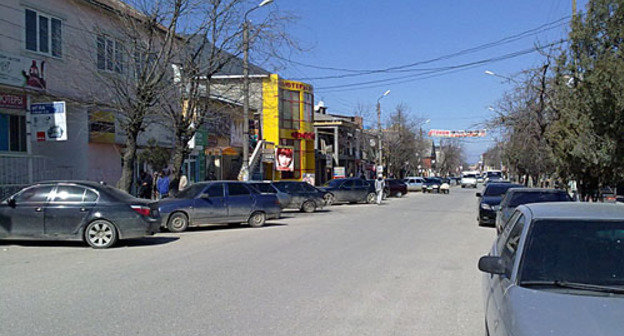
[492, 265]
[11, 202]
[479, 194]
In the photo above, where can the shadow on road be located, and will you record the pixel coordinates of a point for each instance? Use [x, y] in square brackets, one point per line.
[233, 227]
[147, 241]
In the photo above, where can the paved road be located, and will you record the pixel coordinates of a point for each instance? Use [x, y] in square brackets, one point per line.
[404, 268]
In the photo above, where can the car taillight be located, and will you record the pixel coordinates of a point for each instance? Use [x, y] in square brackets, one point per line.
[141, 210]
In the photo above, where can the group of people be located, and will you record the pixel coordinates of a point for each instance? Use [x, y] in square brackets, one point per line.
[159, 185]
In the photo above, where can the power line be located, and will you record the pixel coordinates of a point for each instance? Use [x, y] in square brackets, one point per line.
[508, 39]
[435, 72]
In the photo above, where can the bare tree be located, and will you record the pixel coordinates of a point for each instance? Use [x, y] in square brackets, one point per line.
[451, 156]
[403, 142]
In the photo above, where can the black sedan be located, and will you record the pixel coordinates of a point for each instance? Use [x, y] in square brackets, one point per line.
[303, 196]
[350, 190]
[77, 210]
[490, 200]
[218, 202]
[395, 188]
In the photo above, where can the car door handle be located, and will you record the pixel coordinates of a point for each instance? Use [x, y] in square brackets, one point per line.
[38, 209]
[83, 209]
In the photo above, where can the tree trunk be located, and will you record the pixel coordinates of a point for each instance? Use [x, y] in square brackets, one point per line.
[129, 157]
[179, 154]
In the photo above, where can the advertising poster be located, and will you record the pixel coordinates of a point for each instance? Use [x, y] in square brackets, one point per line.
[20, 71]
[285, 159]
[49, 122]
[339, 172]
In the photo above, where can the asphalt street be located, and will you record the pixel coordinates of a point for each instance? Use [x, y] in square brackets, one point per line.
[407, 267]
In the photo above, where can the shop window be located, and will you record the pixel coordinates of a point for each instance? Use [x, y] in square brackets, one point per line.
[308, 110]
[290, 109]
[12, 133]
[43, 33]
[109, 54]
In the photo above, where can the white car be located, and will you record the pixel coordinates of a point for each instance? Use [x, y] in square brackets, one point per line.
[414, 183]
[468, 180]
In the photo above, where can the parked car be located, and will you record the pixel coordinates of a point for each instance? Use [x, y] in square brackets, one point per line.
[489, 201]
[557, 270]
[414, 183]
[303, 195]
[519, 196]
[468, 180]
[495, 175]
[218, 202]
[395, 188]
[95, 213]
[268, 188]
[607, 195]
[349, 190]
[435, 185]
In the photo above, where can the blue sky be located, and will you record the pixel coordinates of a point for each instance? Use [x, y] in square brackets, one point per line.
[366, 34]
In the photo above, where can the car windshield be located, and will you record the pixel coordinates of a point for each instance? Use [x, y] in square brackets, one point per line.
[469, 176]
[191, 191]
[538, 197]
[494, 174]
[498, 189]
[585, 252]
[432, 180]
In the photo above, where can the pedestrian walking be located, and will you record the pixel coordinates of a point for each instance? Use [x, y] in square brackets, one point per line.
[162, 185]
[380, 185]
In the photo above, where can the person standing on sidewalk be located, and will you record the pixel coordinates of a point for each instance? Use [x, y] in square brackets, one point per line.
[163, 185]
[380, 185]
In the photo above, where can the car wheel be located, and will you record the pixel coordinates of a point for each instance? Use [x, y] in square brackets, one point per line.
[308, 207]
[100, 234]
[177, 222]
[257, 219]
[370, 198]
[329, 199]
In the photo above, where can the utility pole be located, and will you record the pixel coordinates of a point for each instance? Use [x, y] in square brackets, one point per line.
[245, 168]
[573, 8]
[379, 132]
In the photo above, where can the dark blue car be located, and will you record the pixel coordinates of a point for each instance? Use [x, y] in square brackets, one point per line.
[218, 202]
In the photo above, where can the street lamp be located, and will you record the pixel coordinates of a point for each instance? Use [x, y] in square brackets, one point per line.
[379, 124]
[491, 73]
[245, 166]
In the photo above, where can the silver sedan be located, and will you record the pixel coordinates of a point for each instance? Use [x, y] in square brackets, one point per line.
[557, 269]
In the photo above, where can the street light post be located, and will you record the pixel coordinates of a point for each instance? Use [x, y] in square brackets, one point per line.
[245, 166]
[379, 155]
[509, 79]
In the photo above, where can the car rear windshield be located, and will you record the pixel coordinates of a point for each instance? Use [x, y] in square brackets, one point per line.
[538, 197]
[469, 176]
[494, 174]
[117, 194]
[499, 189]
[587, 252]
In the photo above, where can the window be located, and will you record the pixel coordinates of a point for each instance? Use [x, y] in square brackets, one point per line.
[215, 190]
[110, 54]
[70, 194]
[348, 184]
[510, 246]
[12, 133]
[90, 196]
[308, 110]
[290, 109]
[358, 183]
[33, 195]
[237, 189]
[43, 33]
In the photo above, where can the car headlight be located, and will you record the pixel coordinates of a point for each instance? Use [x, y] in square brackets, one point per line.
[485, 206]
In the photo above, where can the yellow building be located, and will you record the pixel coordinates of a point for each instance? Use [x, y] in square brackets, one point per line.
[288, 121]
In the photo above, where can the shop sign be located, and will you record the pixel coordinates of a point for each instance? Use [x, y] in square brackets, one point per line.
[295, 86]
[49, 121]
[21, 71]
[284, 157]
[305, 135]
[13, 101]
[339, 172]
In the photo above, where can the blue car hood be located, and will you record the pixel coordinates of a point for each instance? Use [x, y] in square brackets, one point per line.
[546, 312]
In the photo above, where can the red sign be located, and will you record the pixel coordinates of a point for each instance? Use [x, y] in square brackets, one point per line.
[41, 136]
[305, 135]
[457, 134]
[12, 101]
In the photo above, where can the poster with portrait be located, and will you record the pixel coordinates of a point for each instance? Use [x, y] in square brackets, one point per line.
[285, 159]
